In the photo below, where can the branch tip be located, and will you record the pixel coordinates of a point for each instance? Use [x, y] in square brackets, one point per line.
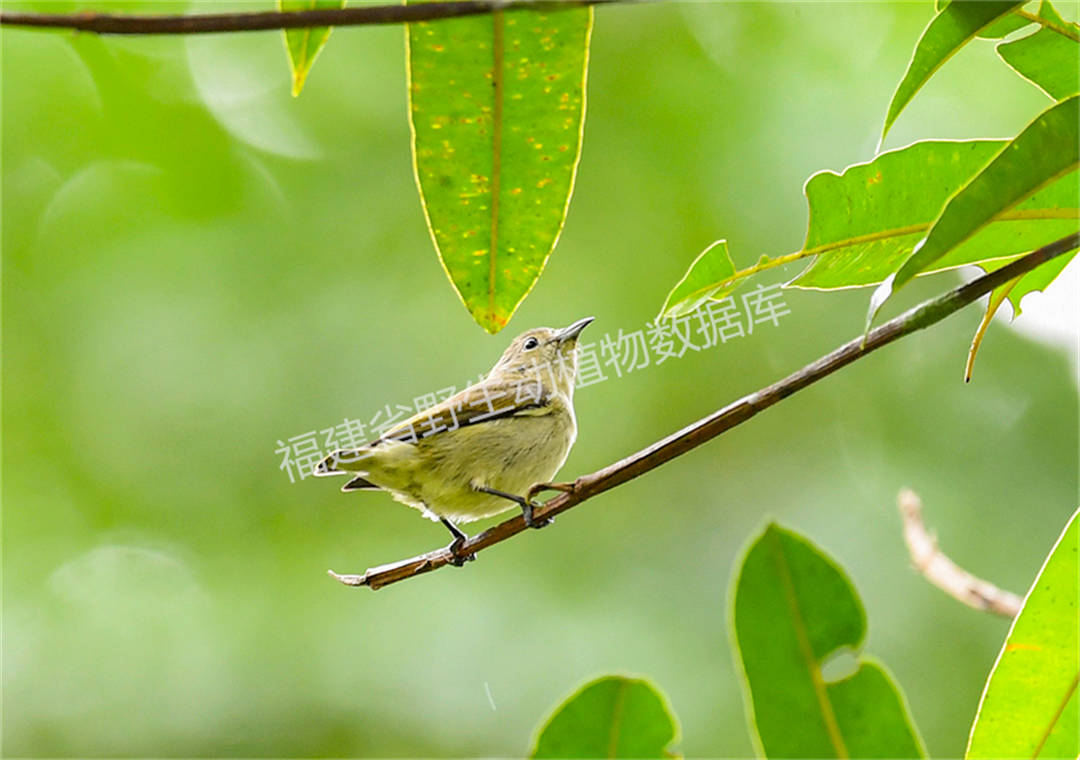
[942, 572]
[349, 580]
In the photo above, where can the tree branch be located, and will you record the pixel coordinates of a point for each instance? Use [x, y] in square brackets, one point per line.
[733, 414]
[370, 15]
[943, 572]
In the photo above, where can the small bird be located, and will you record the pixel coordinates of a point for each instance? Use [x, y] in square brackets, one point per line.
[481, 451]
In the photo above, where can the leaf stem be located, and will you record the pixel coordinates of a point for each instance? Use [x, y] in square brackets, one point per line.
[1072, 34]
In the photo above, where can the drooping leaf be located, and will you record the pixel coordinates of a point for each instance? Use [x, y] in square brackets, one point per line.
[1044, 151]
[794, 608]
[703, 280]
[497, 106]
[610, 717]
[1048, 59]
[1029, 707]
[997, 297]
[950, 29]
[866, 220]
[304, 45]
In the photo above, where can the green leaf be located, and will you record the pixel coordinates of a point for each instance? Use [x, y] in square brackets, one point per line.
[612, 716]
[1046, 58]
[866, 220]
[948, 31]
[1003, 27]
[1047, 149]
[705, 279]
[793, 609]
[1049, 13]
[304, 45]
[1029, 706]
[497, 106]
[997, 29]
[1014, 290]
[1037, 279]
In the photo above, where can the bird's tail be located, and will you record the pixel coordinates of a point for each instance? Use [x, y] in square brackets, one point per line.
[343, 461]
[360, 484]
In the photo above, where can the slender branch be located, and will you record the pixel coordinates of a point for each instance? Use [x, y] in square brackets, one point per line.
[733, 414]
[370, 15]
[943, 572]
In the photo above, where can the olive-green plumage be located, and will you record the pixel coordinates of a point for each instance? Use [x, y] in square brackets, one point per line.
[508, 432]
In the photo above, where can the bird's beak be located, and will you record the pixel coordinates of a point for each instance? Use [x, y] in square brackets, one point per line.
[571, 332]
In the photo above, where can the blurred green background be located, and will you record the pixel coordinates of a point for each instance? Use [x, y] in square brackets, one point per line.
[197, 265]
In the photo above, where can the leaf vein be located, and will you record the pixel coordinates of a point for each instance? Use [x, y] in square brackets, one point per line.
[828, 715]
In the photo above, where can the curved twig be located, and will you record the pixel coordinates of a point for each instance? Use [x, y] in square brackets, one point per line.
[733, 414]
[941, 571]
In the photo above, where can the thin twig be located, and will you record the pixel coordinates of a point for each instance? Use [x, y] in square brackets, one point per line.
[203, 23]
[943, 572]
[733, 414]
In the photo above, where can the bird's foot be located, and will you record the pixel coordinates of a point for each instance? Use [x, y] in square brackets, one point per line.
[530, 503]
[457, 558]
[530, 500]
[527, 507]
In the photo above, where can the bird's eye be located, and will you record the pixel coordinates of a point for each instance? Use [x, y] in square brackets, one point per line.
[531, 343]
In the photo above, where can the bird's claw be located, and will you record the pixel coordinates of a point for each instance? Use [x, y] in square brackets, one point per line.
[529, 505]
[527, 514]
[457, 559]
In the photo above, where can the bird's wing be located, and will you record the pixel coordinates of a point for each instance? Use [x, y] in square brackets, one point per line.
[490, 399]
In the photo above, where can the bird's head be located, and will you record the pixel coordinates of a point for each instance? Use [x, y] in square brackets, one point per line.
[544, 353]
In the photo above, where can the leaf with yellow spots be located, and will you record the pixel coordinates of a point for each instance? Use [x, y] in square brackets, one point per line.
[497, 107]
[304, 45]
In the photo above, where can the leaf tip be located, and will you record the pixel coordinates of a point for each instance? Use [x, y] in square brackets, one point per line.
[491, 321]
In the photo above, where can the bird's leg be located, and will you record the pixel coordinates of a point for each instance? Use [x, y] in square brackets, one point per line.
[525, 504]
[455, 545]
